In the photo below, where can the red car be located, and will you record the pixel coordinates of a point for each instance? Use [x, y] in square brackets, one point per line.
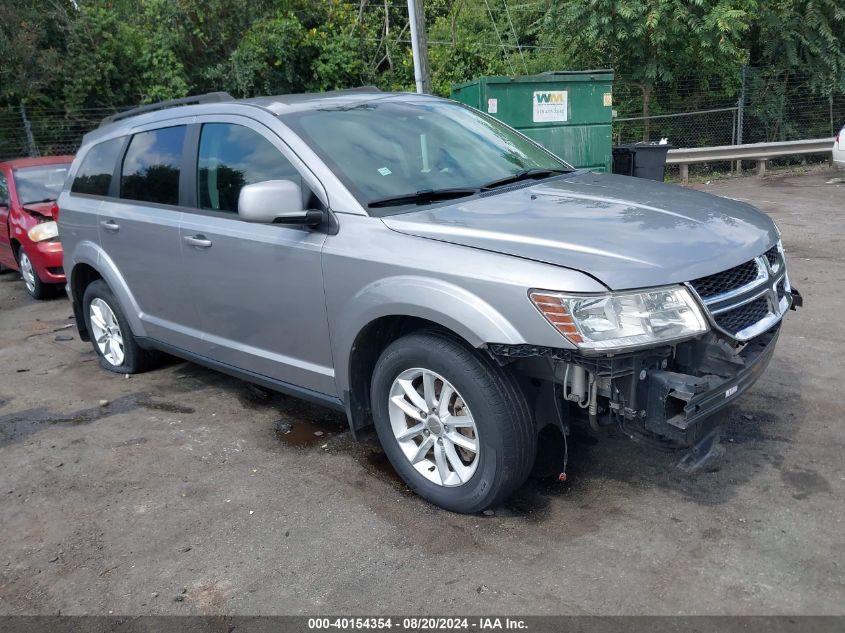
[29, 238]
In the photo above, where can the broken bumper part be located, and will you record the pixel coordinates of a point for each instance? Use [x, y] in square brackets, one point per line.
[677, 402]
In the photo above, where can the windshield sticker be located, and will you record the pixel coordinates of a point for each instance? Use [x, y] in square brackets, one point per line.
[550, 105]
[384, 171]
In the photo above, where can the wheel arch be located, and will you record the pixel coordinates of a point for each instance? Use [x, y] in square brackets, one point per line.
[91, 264]
[393, 308]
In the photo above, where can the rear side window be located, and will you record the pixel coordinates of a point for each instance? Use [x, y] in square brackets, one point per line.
[95, 173]
[232, 156]
[150, 170]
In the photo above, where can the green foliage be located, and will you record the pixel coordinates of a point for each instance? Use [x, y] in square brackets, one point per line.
[468, 30]
[118, 55]
[31, 46]
[272, 57]
[103, 60]
[807, 36]
[112, 53]
[281, 55]
[651, 41]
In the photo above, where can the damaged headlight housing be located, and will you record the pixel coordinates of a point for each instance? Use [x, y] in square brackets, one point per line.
[622, 320]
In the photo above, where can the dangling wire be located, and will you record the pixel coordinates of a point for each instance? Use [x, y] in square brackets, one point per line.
[562, 475]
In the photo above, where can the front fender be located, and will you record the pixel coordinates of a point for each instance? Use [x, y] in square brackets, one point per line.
[441, 302]
[87, 252]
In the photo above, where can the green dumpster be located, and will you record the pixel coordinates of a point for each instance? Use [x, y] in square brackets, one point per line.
[569, 113]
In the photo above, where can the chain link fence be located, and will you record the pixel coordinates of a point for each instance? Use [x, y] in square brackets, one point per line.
[757, 105]
[45, 132]
[703, 128]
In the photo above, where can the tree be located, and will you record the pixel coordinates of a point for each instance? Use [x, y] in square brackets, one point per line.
[470, 50]
[807, 36]
[31, 44]
[294, 53]
[117, 56]
[650, 41]
[798, 50]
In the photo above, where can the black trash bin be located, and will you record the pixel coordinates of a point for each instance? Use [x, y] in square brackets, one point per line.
[641, 160]
[623, 161]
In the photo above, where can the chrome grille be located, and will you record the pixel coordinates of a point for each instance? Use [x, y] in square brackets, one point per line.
[744, 316]
[773, 257]
[726, 281]
[748, 299]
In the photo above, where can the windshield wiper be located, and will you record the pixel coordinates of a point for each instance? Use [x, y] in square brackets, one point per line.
[426, 195]
[525, 174]
[39, 201]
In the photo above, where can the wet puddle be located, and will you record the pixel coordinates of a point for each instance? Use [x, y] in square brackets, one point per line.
[300, 423]
[304, 433]
[17, 426]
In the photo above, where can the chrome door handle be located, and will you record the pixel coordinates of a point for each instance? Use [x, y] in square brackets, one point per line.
[110, 225]
[200, 241]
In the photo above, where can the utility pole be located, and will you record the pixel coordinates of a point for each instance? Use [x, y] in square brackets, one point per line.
[419, 45]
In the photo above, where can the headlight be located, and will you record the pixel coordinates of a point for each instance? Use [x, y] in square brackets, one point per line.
[621, 320]
[44, 231]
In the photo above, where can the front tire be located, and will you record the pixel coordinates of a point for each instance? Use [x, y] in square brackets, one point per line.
[111, 336]
[34, 286]
[454, 425]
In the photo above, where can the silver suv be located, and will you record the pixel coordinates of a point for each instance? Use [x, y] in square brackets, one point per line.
[424, 268]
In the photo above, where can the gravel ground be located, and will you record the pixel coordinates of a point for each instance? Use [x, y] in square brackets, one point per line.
[185, 491]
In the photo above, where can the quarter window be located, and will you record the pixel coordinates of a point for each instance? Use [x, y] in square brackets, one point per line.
[232, 156]
[95, 173]
[150, 170]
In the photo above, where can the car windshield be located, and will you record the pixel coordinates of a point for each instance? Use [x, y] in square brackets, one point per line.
[384, 149]
[41, 183]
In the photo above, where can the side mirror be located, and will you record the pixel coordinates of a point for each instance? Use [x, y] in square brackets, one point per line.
[276, 202]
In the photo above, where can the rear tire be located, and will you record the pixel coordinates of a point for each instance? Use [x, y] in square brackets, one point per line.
[111, 336]
[479, 393]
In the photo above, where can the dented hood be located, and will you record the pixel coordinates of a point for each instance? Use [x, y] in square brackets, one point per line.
[626, 232]
[46, 209]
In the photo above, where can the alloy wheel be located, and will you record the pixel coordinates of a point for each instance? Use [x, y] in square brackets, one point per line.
[434, 427]
[106, 331]
[27, 272]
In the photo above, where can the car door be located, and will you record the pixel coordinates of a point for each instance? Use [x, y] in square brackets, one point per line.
[7, 257]
[139, 231]
[258, 287]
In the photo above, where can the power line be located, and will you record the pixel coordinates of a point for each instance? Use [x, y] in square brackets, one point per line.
[452, 44]
[496, 28]
[516, 39]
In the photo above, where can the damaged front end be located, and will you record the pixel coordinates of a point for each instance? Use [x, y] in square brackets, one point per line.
[664, 397]
[666, 394]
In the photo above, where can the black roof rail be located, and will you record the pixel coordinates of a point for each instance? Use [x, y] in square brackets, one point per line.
[210, 97]
[361, 89]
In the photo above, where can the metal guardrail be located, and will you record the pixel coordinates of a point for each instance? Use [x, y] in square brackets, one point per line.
[760, 152]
